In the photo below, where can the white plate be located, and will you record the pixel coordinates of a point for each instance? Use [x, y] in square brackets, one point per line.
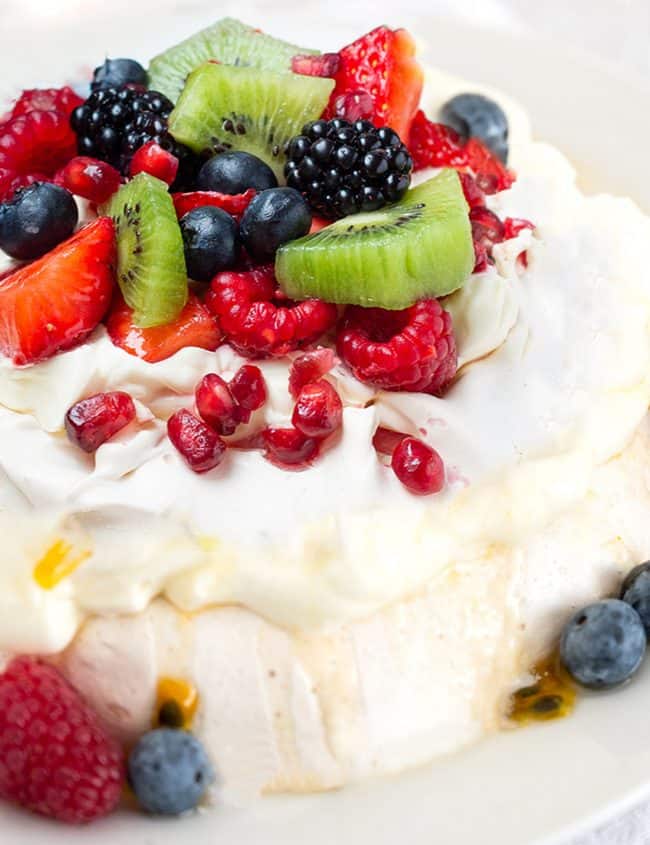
[537, 785]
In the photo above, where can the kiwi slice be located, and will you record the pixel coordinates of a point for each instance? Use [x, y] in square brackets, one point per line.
[420, 247]
[238, 108]
[150, 257]
[228, 41]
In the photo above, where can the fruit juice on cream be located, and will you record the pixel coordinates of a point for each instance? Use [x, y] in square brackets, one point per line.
[335, 624]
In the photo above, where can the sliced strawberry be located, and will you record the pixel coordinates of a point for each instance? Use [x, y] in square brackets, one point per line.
[54, 303]
[327, 64]
[318, 223]
[63, 100]
[383, 64]
[235, 204]
[194, 327]
[434, 144]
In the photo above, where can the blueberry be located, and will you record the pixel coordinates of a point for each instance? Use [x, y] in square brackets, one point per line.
[211, 240]
[115, 73]
[169, 771]
[603, 644]
[636, 592]
[234, 173]
[273, 218]
[476, 116]
[36, 220]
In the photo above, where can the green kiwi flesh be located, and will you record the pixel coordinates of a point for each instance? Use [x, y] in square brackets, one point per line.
[421, 247]
[238, 108]
[150, 258]
[227, 41]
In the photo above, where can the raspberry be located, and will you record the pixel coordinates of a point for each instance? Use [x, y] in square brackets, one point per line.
[63, 100]
[35, 144]
[55, 757]
[92, 421]
[491, 174]
[216, 405]
[418, 467]
[258, 322]
[90, 178]
[414, 349]
[434, 144]
[152, 159]
[249, 390]
[513, 226]
[289, 448]
[318, 411]
[201, 448]
[310, 367]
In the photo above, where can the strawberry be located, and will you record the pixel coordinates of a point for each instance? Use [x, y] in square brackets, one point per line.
[195, 326]
[383, 64]
[235, 204]
[54, 303]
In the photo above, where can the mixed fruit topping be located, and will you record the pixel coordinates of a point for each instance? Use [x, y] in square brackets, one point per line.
[251, 192]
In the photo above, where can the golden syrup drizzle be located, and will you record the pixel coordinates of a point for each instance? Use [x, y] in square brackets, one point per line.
[58, 562]
[551, 696]
[176, 703]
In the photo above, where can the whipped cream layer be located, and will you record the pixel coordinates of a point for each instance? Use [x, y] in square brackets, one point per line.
[554, 383]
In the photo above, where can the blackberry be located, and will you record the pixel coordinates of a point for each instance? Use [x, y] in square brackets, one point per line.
[344, 168]
[113, 123]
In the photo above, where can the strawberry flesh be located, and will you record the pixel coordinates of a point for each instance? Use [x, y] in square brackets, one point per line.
[234, 204]
[54, 303]
[195, 326]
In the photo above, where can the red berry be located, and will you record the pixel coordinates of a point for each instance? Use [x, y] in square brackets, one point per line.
[258, 322]
[386, 441]
[473, 194]
[248, 387]
[200, 446]
[383, 64]
[55, 757]
[513, 226]
[355, 105]
[327, 64]
[90, 178]
[487, 230]
[94, 420]
[63, 100]
[434, 144]
[310, 367]
[55, 302]
[216, 405]
[414, 349]
[152, 159]
[194, 326]
[418, 467]
[37, 142]
[318, 411]
[491, 174]
[288, 447]
[234, 204]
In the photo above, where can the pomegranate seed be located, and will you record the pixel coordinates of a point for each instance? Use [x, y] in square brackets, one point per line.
[487, 230]
[310, 367]
[288, 447]
[513, 226]
[473, 194]
[386, 441]
[200, 446]
[319, 410]
[215, 404]
[354, 105]
[418, 467]
[94, 420]
[90, 178]
[152, 159]
[248, 387]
